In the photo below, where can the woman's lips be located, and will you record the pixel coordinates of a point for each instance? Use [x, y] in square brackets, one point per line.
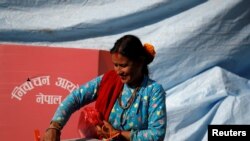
[123, 77]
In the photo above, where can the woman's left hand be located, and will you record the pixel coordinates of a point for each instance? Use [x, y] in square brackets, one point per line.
[107, 130]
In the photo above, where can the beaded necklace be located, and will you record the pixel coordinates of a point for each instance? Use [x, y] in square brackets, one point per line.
[130, 101]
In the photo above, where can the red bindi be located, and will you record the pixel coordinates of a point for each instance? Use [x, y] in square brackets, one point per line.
[116, 55]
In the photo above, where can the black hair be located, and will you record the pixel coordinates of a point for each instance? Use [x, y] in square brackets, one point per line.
[131, 47]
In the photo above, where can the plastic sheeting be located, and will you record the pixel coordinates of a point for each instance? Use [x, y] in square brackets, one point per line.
[215, 96]
[202, 48]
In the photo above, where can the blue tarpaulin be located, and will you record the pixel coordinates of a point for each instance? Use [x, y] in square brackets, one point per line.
[203, 49]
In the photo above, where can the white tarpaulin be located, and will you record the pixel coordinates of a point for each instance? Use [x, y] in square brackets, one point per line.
[203, 49]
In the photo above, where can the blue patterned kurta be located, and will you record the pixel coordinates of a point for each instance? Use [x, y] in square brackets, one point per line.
[145, 118]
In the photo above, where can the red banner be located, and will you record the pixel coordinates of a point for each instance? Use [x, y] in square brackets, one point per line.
[34, 81]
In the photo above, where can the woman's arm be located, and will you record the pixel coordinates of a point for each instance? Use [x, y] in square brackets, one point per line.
[77, 99]
[156, 118]
[126, 135]
[74, 101]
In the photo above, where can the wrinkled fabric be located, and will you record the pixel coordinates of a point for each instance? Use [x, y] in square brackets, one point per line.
[213, 97]
[191, 38]
[109, 90]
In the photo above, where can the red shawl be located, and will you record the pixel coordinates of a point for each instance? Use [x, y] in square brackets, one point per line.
[108, 92]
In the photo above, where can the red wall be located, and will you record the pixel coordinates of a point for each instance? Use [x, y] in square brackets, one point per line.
[30, 73]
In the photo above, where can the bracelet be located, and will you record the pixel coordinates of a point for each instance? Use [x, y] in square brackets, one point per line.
[57, 129]
[55, 125]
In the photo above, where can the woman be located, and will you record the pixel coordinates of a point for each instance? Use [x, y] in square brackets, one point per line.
[136, 104]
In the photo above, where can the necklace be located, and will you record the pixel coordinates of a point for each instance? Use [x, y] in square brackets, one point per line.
[130, 101]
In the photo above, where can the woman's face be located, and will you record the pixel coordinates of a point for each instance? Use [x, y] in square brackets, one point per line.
[130, 72]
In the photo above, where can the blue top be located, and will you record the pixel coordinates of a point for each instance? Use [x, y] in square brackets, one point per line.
[145, 118]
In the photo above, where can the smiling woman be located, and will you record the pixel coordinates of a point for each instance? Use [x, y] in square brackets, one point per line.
[128, 70]
[130, 59]
[132, 105]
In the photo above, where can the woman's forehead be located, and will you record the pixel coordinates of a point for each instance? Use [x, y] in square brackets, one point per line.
[117, 57]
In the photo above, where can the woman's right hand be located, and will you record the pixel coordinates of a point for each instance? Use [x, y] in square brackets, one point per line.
[51, 135]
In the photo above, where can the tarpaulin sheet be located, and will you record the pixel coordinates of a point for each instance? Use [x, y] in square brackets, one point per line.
[203, 49]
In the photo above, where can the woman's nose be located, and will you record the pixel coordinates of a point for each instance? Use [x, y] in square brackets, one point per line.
[119, 70]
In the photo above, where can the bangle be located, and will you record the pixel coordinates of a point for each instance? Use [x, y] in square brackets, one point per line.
[57, 129]
[54, 124]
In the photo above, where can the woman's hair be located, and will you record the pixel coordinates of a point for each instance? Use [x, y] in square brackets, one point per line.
[131, 47]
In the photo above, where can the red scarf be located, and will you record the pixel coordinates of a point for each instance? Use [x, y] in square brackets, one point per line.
[108, 92]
